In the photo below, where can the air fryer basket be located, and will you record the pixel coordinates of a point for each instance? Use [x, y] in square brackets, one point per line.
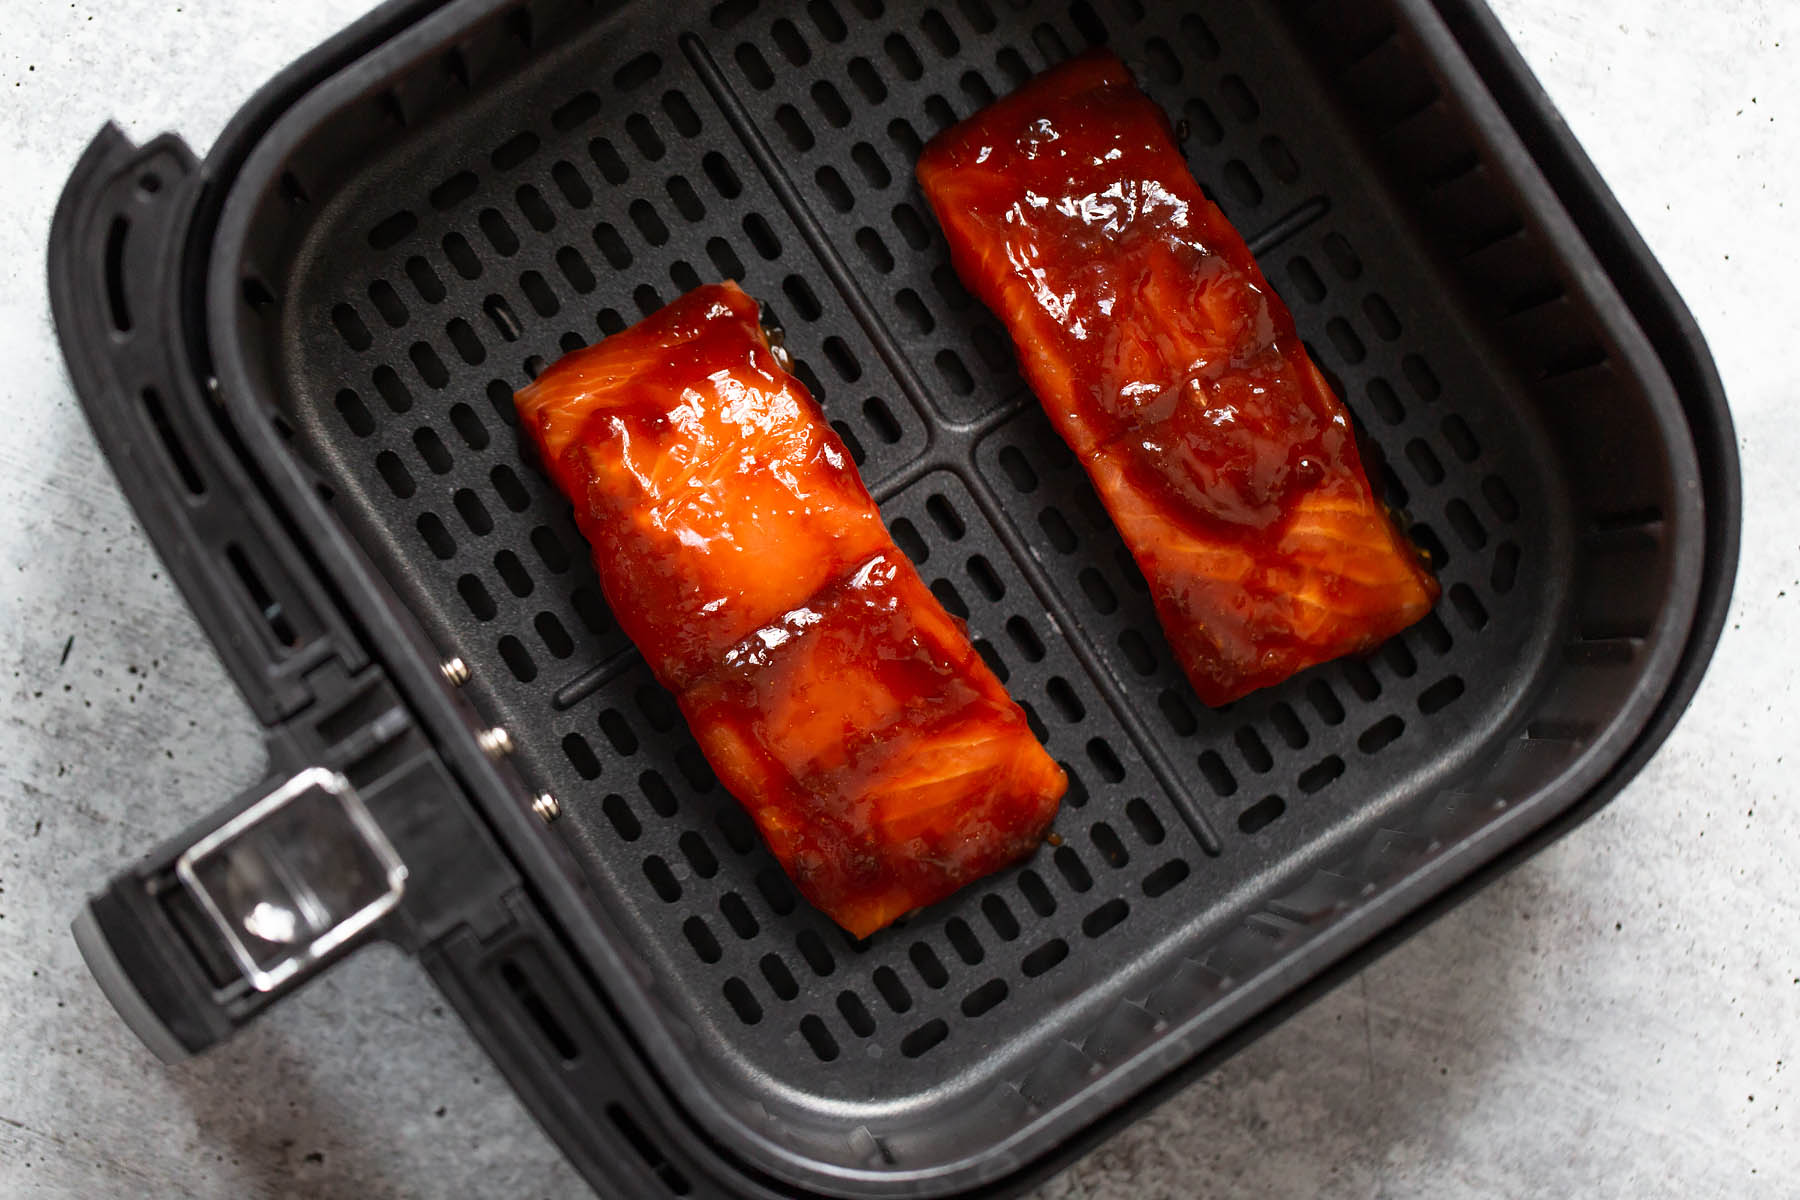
[495, 184]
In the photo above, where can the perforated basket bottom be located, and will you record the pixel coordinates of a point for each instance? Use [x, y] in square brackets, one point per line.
[774, 144]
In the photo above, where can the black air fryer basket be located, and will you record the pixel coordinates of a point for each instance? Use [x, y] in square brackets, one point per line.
[300, 354]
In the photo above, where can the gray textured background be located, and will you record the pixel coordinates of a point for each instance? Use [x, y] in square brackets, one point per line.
[1619, 1017]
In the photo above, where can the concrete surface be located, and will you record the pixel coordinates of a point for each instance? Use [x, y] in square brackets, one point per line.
[1620, 1017]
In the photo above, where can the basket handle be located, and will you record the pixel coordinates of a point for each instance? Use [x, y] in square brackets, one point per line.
[212, 927]
[207, 932]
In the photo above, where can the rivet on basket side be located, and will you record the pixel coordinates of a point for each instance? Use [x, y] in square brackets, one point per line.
[495, 742]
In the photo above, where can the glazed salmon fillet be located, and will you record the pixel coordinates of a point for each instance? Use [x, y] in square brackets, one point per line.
[1175, 374]
[883, 762]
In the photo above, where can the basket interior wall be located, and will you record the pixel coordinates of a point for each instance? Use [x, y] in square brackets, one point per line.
[550, 175]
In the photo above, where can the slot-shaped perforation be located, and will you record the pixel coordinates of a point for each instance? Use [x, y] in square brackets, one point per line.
[878, 101]
[581, 204]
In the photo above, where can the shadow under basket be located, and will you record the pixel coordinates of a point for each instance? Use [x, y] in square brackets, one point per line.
[300, 357]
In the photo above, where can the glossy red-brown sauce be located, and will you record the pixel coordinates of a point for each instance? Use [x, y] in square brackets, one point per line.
[1175, 373]
[834, 697]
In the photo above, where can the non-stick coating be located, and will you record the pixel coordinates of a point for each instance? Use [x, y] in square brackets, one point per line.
[569, 174]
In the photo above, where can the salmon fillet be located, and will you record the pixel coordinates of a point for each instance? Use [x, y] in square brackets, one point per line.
[1175, 374]
[883, 762]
